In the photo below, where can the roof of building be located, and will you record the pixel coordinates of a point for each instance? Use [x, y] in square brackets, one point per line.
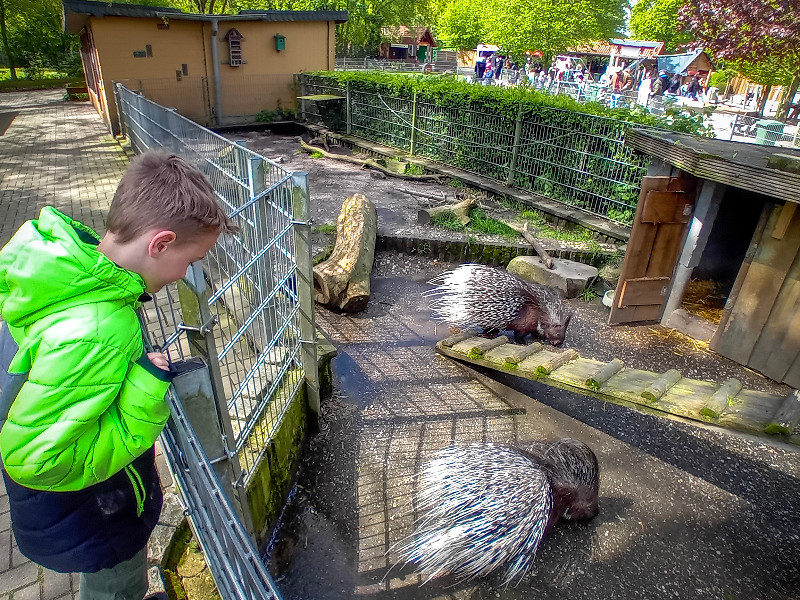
[77, 13]
[398, 32]
[770, 170]
[680, 63]
[647, 49]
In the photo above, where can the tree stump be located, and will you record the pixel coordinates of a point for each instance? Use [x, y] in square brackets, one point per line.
[342, 281]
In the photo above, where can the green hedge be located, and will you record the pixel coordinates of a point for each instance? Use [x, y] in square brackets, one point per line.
[566, 151]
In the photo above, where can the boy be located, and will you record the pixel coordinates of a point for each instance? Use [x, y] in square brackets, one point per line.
[77, 448]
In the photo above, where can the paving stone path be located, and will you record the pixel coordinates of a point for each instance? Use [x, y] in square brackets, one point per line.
[60, 154]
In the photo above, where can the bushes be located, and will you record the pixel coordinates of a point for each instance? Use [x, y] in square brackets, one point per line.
[550, 145]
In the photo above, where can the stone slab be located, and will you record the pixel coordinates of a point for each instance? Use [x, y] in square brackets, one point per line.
[567, 275]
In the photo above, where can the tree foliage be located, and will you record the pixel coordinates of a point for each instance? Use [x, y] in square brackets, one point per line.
[35, 41]
[744, 29]
[549, 26]
[657, 20]
[760, 39]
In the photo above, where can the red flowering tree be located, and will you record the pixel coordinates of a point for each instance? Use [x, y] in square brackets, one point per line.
[749, 31]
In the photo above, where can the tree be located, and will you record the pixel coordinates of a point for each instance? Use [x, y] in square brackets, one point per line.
[750, 32]
[461, 24]
[550, 26]
[4, 35]
[658, 20]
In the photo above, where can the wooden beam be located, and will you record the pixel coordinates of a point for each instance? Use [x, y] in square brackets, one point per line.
[787, 212]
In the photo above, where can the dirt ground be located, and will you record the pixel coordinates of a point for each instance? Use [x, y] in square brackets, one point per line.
[686, 511]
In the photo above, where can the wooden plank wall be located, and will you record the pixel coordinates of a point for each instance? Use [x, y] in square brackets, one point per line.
[761, 324]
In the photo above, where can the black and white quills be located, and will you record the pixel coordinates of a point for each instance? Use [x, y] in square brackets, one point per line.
[493, 299]
[485, 507]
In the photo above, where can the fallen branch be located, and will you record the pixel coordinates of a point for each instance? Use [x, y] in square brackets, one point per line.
[441, 196]
[367, 163]
[460, 210]
[525, 232]
[546, 258]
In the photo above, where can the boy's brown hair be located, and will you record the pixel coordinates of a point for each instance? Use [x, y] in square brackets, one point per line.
[162, 190]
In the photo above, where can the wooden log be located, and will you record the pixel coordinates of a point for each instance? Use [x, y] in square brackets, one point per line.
[721, 399]
[554, 363]
[451, 341]
[460, 210]
[342, 281]
[786, 417]
[482, 346]
[520, 353]
[372, 164]
[605, 373]
[660, 386]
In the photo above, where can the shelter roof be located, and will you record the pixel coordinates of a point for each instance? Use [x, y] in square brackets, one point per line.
[396, 33]
[77, 12]
[647, 49]
[770, 170]
[680, 63]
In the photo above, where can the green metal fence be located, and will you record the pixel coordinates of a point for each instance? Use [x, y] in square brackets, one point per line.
[576, 159]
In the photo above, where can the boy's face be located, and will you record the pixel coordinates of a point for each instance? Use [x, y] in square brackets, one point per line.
[169, 260]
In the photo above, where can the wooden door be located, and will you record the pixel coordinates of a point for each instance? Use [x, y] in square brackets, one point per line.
[659, 229]
[760, 327]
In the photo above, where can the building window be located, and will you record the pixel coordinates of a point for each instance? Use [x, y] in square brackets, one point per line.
[234, 39]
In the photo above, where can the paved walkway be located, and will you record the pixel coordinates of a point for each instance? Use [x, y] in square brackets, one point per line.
[53, 153]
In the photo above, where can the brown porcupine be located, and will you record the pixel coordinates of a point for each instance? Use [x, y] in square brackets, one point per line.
[493, 299]
[486, 506]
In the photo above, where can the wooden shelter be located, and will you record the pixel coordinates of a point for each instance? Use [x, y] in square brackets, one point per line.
[723, 212]
[407, 43]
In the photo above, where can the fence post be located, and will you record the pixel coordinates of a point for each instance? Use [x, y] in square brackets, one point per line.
[515, 152]
[305, 291]
[733, 125]
[198, 323]
[348, 110]
[413, 123]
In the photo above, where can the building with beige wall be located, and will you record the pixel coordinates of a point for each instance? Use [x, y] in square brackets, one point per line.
[214, 69]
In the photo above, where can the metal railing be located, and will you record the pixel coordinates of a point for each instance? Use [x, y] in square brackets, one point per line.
[235, 564]
[574, 158]
[397, 65]
[247, 309]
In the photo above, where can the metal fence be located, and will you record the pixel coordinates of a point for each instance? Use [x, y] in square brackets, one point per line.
[573, 158]
[403, 66]
[247, 309]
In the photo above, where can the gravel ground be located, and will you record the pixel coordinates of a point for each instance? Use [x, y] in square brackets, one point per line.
[686, 510]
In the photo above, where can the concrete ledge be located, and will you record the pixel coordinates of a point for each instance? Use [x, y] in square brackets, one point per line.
[491, 253]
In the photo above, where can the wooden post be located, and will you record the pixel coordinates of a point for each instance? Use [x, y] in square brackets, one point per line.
[302, 96]
[348, 110]
[515, 151]
[787, 416]
[413, 124]
[305, 291]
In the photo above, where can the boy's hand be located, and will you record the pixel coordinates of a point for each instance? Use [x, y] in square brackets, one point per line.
[160, 360]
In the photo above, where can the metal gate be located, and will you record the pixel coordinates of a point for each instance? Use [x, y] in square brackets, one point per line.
[247, 309]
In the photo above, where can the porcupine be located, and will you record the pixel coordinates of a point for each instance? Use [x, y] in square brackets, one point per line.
[479, 296]
[487, 506]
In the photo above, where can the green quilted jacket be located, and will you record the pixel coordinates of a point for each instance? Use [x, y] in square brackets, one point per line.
[92, 401]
